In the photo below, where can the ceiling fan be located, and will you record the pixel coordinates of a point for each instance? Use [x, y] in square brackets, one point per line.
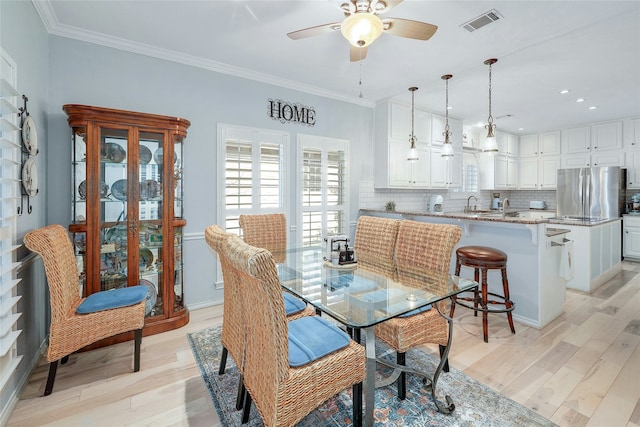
[362, 26]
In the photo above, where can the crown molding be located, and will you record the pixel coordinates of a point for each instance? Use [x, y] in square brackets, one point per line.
[48, 17]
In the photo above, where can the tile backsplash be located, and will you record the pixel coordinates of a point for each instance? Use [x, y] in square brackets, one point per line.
[418, 200]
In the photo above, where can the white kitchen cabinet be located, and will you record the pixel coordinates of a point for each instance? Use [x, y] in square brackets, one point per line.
[548, 172]
[507, 144]
[606, 136]
[528, 178]
[549, 143]
[632, 134]
[632, 164]
[576, 140]
[529, 145]
[600, 158]
[446, 172]
[600, 247]
[392, 131]
[497, 172]
[631, 237]
[408, 174]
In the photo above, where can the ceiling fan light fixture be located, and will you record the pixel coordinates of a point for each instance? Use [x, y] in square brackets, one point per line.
[361, 28]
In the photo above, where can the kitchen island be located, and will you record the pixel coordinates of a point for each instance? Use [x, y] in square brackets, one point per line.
[534, 247]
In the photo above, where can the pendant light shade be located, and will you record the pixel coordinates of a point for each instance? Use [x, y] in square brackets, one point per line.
[490, 144]
[361, 28]
[412, 155]
[447, 148]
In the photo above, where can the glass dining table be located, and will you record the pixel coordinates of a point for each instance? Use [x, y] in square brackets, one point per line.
[359, 299]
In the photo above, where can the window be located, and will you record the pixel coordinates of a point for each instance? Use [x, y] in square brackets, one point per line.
[470, 177]
[251, 173]
[322, 165]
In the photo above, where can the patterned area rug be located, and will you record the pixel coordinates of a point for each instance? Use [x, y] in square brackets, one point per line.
[476, 404]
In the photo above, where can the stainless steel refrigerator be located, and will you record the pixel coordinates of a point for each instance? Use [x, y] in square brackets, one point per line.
[591, 194]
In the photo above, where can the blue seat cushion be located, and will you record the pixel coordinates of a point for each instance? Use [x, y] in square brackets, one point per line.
[311, 338]
[292, 305]
[114, 298]
[416, 311]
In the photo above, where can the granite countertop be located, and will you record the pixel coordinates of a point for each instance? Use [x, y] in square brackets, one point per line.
[493, 217]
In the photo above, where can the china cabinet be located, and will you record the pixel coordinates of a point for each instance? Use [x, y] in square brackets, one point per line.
[127, 207]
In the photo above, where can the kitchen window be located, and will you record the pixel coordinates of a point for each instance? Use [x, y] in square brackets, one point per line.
[470, 177]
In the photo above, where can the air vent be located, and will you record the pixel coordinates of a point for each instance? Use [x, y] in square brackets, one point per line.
[482, 20]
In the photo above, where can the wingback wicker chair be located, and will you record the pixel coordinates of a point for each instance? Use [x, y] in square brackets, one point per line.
[420, 247]
[375, 244]
[267, 231]
[70, 331]
[284, 394]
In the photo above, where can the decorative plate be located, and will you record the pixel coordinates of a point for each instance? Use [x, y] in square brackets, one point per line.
[119, 189]
[82, 190]
[146, 258]
[30, 177]
[111, 152]
[149, 189]
[117, 235]
[145, 155]
[157, 156]
[30, 135]
[152, 296]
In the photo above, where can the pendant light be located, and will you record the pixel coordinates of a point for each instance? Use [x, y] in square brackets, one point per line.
[413, 152]
[490, 144]
[447, 148]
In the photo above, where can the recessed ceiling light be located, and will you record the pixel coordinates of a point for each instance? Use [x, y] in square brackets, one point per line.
[580, 100]
[564, 91]
[593, 107]
[520, 128]
[449, 107]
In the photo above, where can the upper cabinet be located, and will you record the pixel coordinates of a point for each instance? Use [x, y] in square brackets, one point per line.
[438, 124]
[399, 122]
[632, 134]
[507, 143]
[549, 143]
[597, 137]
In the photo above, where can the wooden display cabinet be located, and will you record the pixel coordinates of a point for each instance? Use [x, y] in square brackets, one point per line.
[127, 208]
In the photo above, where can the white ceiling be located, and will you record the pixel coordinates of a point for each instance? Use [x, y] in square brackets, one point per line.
[589, 47]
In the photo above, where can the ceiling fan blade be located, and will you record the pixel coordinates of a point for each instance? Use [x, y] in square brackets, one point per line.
[408, 28]
[357, 53]
[314, 31]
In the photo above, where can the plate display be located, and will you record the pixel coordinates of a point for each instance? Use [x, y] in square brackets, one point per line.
[119, 189]
[112, 153]
[30, 135]
[82, 190]
[152, 296]
[145, 155]
[157, 156]
[146, 258]
[30, 177]
[149, 189]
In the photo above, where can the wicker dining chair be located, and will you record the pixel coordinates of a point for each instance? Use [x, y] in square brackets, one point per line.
[284, 388]
[375, 244]
[421, 247]
[71, 330]
[267, 231]
[233, 335]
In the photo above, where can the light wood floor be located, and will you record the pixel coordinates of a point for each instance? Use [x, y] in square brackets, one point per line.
[583, 369]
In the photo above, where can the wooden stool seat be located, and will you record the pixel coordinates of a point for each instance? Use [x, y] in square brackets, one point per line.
[482, 259]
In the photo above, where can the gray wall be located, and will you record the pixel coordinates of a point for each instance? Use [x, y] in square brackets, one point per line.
[83, 73]
[25, 40]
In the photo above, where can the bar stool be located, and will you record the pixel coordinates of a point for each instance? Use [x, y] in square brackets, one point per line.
[482, 259]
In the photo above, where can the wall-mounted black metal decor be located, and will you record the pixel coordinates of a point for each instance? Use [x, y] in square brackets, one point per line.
[295, 112]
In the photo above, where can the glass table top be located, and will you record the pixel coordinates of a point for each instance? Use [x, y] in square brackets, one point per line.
[360, 298]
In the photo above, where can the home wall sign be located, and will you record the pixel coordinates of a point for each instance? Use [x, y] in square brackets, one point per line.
[286, 112]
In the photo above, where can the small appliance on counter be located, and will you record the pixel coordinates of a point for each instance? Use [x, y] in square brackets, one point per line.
[435, 204]
[634, 205]
[537, 204]
[496, 203]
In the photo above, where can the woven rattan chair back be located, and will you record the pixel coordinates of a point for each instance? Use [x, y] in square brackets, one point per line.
[232, 336]
[375, 244]
[70, 331]
[268, 231]
[283, 395]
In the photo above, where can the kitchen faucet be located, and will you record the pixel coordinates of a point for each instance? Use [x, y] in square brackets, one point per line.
[505, 205]
[468, 208]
